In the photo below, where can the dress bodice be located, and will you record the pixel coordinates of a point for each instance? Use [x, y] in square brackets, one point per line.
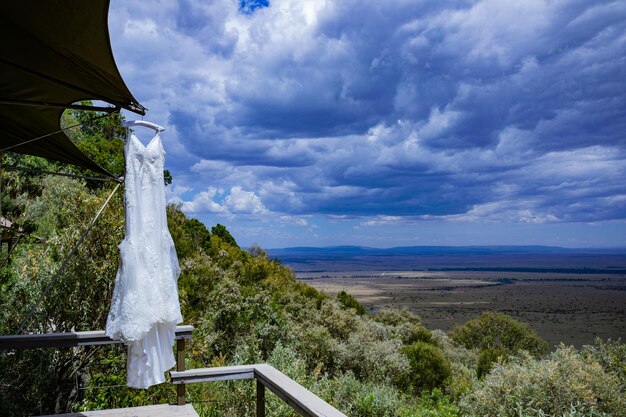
[144, 186]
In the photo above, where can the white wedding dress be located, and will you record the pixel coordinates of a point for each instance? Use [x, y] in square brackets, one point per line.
[145, 307]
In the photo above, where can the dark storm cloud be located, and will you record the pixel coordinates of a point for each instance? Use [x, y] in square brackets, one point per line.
[456, 110]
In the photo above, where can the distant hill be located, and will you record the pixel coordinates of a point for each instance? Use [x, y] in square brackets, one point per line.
[361, 258]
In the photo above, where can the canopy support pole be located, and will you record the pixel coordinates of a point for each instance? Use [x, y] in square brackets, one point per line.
[66, 261]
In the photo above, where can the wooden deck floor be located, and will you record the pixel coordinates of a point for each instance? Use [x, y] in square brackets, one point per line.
[162, 410]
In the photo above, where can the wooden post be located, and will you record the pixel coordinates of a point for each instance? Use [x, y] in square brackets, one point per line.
[260, 399]
[180, 366]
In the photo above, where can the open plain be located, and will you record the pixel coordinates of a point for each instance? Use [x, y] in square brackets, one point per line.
[567, 307]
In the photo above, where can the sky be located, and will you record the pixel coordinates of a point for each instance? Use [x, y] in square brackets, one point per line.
[387, 122]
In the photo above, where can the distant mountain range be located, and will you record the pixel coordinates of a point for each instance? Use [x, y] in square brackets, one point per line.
[443, 250]
[359, 258]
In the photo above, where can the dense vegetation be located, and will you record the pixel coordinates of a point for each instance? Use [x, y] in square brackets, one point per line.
[248, 308]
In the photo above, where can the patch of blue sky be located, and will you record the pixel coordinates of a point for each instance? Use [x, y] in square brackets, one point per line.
[249, 6]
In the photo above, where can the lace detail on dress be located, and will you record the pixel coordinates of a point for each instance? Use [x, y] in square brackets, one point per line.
[145, 307]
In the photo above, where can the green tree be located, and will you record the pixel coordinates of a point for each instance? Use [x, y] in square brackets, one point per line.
[348, 301]
[78, 300]
[223, 233]
[21, 186]
[198, 233]
[99, 136]
[167, 177]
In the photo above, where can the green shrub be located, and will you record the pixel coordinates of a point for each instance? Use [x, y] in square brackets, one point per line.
[197, 279]
[395, 317]
[497, 330]
[348, 301]
[488, 357]
[339, 322]
[432, 404]
[360, 399]
[317, 347]
[429, 366]
[374, 360]
[418, 333]
[463, 363]
[239, 315]
[566, 383]
[497, 336]
[106, 384]
[611, 354]
[402, 324]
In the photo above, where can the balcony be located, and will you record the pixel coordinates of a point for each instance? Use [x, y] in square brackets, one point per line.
[267, 377]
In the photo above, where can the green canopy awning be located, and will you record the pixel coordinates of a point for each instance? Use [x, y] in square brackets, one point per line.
[54, 54]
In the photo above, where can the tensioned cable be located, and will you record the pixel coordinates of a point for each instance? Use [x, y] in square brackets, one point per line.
[62, 174]
[66, 261]
[1, 178]
[53, 133]
[27, 103]
[6, 260]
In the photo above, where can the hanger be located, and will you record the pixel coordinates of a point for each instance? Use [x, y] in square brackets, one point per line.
[153, 126]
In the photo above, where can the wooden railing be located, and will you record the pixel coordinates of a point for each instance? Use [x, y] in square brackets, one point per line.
[303, 401]
[299, 398]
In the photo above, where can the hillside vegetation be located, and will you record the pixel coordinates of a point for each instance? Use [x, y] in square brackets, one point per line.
[248, 308]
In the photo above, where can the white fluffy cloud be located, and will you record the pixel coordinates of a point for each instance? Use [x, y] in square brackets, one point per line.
[216, 200]
[240, 201]
[204, 201]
